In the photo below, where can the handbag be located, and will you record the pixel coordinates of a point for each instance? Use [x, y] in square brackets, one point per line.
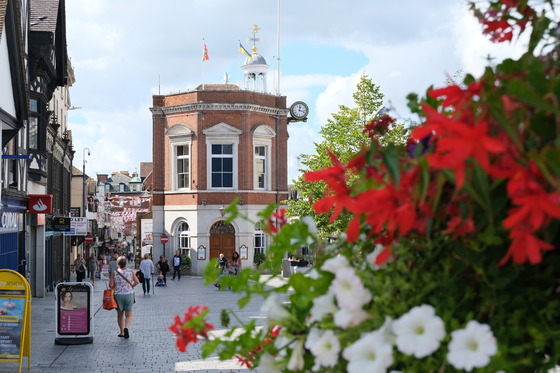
[109, 302]
[133, 294]
[140, 276]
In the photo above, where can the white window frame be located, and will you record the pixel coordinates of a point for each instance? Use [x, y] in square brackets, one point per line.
[262, 136]
[231, 156]
[179, 135]
[256, 175]
[176, 158]
[222, 134]
[260, 233]
[183, 235]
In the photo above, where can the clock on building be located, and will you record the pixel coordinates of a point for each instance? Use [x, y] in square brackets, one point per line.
[299, 110]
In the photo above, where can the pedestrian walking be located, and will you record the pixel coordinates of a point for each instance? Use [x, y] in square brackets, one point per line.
[113, 264]
[80, 266]
[177, 263]
[163, 267]
[123, 281]
[147, 268]
[92, 268]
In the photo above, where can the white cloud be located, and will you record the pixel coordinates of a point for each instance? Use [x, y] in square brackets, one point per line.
[124, 52]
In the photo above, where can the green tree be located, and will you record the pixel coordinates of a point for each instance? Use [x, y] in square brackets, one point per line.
[343, 136]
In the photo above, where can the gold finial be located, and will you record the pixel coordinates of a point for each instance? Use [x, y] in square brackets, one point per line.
[255, 29]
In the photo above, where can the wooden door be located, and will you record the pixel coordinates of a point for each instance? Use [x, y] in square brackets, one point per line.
[222, 240]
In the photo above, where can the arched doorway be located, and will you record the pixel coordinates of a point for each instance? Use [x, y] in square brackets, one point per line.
[222, 239]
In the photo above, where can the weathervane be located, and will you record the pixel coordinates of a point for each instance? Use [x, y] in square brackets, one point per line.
[255, 30]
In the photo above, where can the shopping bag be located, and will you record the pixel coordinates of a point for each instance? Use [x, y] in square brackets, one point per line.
[109, 302]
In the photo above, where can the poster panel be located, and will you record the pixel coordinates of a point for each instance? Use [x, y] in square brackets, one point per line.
[15, 320]
[73, 309]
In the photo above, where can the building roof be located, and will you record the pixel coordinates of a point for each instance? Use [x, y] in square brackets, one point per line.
[255, 59]
[43, 15]
[218, 87]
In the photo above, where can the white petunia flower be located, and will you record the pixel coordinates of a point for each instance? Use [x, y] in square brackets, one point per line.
[322, 306]
[273, 310]
[419, 331]
[472, 347]
[345, 318]
[311, 226]
[314, 335]
[334, 264]
[372, 257]
[268, 364]
[326, 349]
[387, 331]
[348, 289]
[282, 341]
[296, 361]
[313, 274]
[370, 353]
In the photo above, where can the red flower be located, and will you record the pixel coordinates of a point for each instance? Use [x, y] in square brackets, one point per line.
[379, 125]
[339, 194]
[277, 220]
[525, 246]
[191, 327]
[465, 142]
[455, 95]
[458, 226]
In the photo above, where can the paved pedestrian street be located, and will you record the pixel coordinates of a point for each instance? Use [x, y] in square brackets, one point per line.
[151, 347]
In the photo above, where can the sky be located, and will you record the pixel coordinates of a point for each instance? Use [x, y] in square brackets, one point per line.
[125, 51]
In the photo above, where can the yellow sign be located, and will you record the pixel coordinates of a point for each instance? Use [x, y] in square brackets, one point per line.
[15, 318]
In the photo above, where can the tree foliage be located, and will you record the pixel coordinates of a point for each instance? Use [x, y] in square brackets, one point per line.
[343, 136]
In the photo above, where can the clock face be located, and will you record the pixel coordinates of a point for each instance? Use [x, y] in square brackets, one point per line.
[299, 110]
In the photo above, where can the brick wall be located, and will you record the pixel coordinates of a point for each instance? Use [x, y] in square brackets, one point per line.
[197, 121]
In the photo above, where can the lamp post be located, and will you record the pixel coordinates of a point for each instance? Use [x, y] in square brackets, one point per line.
[84, 182]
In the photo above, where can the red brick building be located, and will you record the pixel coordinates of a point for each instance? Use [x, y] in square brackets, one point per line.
[210, 146]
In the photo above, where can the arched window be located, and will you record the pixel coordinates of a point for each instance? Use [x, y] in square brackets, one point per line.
[260, 239]
[183, 241]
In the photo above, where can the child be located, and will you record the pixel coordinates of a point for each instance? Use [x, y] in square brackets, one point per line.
[160, 280]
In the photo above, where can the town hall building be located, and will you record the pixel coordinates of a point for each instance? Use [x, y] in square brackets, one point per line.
[212, 145]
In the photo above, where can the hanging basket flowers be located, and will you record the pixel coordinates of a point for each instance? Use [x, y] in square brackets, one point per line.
[450, 261]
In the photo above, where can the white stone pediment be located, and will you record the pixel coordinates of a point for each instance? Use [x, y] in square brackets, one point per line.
[179, 130]
[222, 129]
[262, 130]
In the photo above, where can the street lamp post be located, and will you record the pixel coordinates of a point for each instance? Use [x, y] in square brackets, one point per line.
[84, 182]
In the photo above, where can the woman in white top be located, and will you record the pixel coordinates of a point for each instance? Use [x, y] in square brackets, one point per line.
[123, 281]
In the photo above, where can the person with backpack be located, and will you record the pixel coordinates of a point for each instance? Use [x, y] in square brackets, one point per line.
[80, 266]
[177, 262]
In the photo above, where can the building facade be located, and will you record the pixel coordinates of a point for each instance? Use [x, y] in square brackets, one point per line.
[211, 146]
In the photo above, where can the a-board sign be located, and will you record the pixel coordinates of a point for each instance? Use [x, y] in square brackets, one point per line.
[74, 313]
[15, 318]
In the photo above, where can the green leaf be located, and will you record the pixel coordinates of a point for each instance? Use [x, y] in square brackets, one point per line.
[391, 160]
[527, 94]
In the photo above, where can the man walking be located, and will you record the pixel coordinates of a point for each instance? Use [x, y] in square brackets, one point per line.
[177, 262]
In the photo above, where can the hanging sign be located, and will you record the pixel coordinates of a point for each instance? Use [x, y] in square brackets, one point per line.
[61, 224]
[40, 203]
[15, 318]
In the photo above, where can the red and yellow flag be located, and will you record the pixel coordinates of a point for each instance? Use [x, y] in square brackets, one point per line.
[205, 53]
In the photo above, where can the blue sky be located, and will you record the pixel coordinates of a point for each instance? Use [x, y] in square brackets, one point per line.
[124, 54]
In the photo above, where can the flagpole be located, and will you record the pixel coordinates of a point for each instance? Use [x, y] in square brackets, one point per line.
[238, 65]
[278, 53]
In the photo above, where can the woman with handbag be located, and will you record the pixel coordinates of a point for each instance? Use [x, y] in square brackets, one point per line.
[123, 281]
